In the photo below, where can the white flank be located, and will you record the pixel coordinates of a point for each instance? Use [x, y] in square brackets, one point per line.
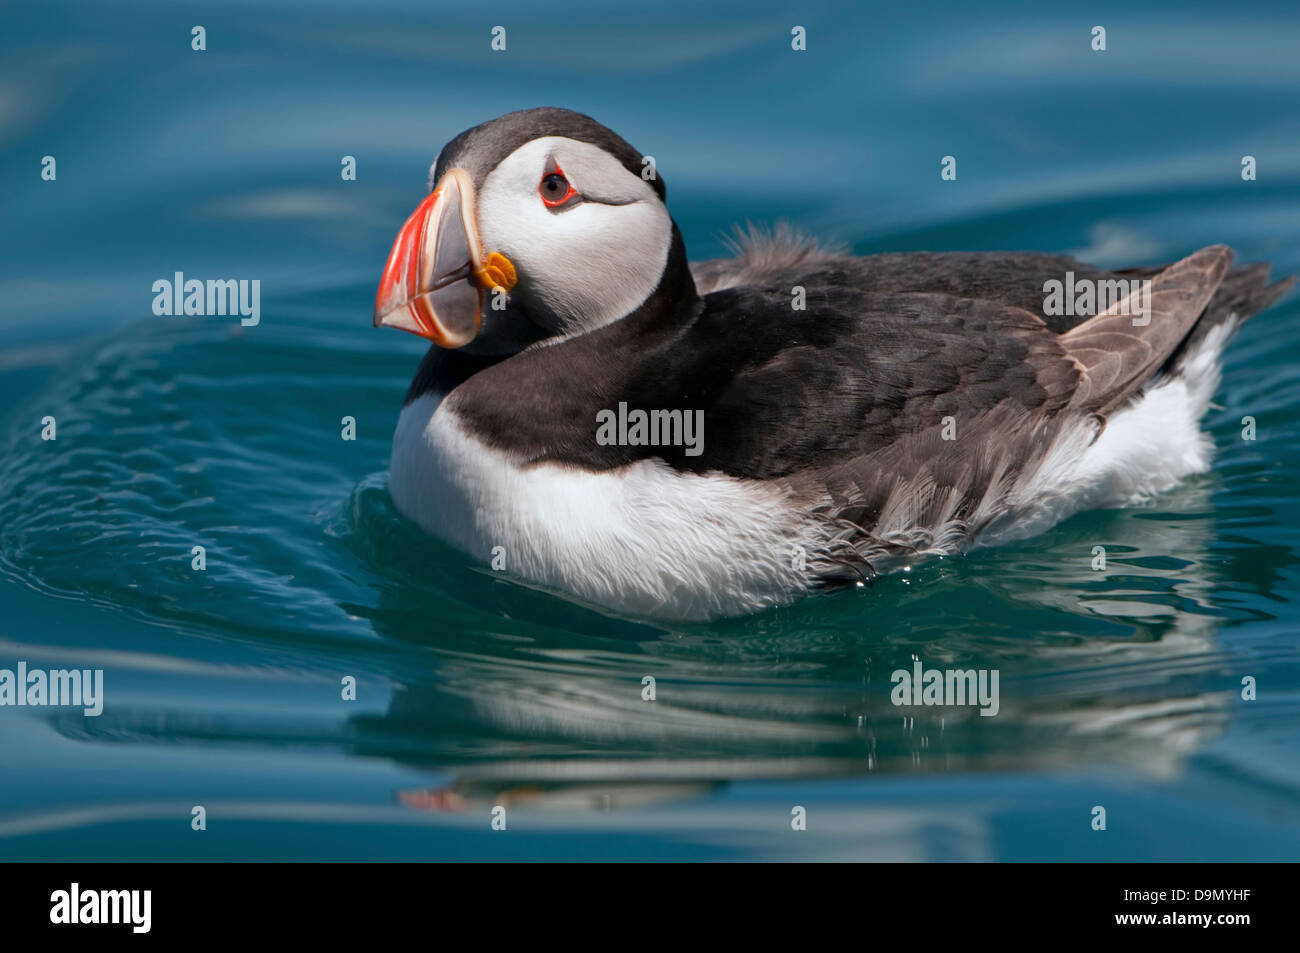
[643, 540]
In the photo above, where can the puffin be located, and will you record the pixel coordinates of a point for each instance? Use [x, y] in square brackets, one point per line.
[600, 418]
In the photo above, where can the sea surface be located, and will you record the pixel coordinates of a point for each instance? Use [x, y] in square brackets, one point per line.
[1120, 688]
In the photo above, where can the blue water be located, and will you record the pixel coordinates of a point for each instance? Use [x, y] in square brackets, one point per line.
[1119, 688]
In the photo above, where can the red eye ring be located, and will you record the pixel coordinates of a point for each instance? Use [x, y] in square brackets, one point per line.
[555, 189]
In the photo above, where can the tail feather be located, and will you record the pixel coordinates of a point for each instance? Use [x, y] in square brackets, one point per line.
[1119, 352]
[1244, 292]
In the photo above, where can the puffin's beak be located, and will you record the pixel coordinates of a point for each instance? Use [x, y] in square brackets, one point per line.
[431, 285]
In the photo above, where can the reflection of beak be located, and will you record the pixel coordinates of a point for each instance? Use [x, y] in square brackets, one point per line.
[437, 274]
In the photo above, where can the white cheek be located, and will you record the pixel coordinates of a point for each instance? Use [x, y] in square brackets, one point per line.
[579, 268]
[587, 266]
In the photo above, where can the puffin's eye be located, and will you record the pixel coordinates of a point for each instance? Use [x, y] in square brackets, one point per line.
[555, 189]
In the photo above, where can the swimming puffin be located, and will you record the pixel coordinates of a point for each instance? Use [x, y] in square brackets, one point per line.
[852, 414]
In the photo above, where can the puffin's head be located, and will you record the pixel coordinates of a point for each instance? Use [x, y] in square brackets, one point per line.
[539, 223]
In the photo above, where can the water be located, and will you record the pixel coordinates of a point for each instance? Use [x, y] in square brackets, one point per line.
[1118, 688]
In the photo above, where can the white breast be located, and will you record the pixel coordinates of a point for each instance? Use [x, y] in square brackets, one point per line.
[643, 540]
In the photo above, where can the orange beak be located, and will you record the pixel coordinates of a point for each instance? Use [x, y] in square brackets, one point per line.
[431, 285]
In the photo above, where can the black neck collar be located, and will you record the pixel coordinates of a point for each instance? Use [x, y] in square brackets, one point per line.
[673, 303]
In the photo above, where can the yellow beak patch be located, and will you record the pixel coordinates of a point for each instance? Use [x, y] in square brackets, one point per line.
[497, 272]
